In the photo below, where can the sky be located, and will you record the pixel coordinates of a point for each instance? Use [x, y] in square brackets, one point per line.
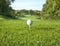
[28, 4]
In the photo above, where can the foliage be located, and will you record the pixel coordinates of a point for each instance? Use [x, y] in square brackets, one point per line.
[27, 12]
[52, 7]
[5, 8]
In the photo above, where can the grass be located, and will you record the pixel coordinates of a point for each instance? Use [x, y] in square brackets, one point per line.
[33, 17]
[42, 33]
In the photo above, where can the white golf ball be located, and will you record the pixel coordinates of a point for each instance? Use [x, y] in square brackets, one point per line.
[29, 22]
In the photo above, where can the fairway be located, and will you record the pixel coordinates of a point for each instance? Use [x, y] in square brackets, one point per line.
[42, 33]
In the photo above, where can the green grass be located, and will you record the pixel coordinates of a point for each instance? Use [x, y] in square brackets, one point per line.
[33, 17]
[42, 33]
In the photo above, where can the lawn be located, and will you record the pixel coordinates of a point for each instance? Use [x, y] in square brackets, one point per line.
[17, 33]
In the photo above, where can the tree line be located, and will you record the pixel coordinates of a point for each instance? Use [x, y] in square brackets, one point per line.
[27, 12]
[51, 9]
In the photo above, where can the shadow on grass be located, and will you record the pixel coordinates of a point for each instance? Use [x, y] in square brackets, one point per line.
[46, 28]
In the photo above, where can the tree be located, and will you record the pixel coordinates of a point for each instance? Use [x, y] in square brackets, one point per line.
[52, 7]
[5, 8]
